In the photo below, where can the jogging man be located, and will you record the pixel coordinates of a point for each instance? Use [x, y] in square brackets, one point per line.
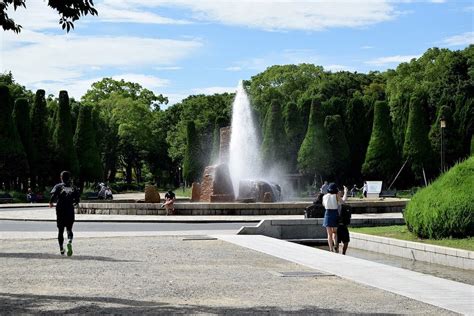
[66, 196]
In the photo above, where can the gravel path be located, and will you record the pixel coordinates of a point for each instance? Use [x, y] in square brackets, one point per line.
[162, 275]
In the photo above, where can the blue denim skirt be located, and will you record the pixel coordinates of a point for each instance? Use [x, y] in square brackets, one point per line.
[330, 218]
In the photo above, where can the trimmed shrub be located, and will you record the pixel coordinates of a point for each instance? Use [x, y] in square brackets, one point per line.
[274, 138]
[445, 208]
[381, 157]
[314, 156]
[339, 147]
[191, 155]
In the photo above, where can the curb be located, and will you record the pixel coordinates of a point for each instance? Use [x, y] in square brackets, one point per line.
[193, 221]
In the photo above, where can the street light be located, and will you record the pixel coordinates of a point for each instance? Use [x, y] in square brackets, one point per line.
[442, 124]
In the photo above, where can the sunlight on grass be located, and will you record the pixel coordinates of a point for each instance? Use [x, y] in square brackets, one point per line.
[401, 232]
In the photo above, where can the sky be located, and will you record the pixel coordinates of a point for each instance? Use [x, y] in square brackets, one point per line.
[182, 47]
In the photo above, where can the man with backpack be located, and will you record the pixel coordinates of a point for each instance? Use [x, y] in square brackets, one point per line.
[342, 230]
[66, 196]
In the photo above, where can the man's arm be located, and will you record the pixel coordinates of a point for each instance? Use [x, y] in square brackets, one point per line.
[54, 195]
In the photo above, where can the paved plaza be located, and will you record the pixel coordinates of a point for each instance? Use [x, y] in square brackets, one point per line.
[169, 274]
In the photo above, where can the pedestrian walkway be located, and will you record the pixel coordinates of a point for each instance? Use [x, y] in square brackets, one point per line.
[48, 214]
[207, 274]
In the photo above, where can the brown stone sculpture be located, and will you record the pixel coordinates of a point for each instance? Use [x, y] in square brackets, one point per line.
[195, 192]
[151, 194]
[216, 185]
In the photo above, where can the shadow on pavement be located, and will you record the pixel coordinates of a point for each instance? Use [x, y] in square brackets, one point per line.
[28, 303]
[33, 255]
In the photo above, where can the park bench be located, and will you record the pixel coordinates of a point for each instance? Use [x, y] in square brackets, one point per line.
[388, 193]
[6, 198]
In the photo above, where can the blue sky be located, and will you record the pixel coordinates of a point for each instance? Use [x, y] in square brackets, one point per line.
[185, 47]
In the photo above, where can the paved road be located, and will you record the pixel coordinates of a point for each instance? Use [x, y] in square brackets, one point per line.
[25, 226]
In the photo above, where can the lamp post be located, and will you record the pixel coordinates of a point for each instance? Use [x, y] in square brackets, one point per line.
[179, 178]
[442, 124]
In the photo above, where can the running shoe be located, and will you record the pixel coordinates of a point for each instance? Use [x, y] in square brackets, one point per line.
[69, 249]
[62, 251]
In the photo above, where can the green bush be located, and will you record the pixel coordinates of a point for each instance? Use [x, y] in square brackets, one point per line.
[445, 208]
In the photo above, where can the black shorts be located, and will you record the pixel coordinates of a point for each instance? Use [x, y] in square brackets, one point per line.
[343, 234]
[65, 219]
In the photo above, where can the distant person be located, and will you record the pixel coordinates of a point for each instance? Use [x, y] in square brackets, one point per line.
[31, 196]
[66, 196]
[344, 219]
[170, 198]
[324, 188]
[353, 191]
[331, 203]
[313, 210]
[365, 188]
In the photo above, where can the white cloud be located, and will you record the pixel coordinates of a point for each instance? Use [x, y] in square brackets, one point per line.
[34, 56]
[233, 68]
[214, 90]
[464, 39]
[381, 61]
[278, 15]
[160, 68]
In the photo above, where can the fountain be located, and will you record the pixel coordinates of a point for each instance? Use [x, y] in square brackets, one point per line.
[239, 172]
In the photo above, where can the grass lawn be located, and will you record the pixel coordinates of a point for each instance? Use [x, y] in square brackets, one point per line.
[401, 232]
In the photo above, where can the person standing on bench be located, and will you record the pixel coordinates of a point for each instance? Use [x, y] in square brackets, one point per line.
[66, 196]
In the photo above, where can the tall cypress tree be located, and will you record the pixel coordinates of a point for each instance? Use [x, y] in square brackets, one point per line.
[357, 133]
[381, 157]
[339, 148]
[65, 154]
[191, 164]
[40, 156]
[13, 162]
[90, 166]
[314, 156]
[21, 116]
[417, 146]
[294, 133]
[274, 148]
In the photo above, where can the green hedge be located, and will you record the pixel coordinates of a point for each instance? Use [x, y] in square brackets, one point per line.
[446, 207]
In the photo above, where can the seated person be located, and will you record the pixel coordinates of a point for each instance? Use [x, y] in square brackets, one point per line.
[31, 196]
[170, 197]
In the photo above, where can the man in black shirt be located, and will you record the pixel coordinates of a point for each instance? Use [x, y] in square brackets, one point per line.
[66, 196]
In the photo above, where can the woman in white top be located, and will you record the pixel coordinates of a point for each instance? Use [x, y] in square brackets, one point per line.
[331, 203]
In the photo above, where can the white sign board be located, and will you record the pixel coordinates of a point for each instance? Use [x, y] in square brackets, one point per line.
[374, 188]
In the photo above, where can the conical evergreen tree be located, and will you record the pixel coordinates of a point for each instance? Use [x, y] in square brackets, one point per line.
[21, 116]
[90, 166]
[339, 148]
[13, 162]
[65, 154]
[274, 147]
[357, 134]
[451, 145]
[314, 156]
[294, 134]
[40, 156]
[381, 157]
[191, 165]
[417, 147]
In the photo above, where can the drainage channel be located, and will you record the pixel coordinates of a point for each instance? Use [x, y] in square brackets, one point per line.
[445, 272]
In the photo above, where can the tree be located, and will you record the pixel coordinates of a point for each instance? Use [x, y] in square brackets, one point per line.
[191, 165]
[13, 160]
[65, 157]
[274, 145]
[357, 129]
[314, 156]
[21, 116]
[340, 153]
[40, 156]
[381, 157]
[90, 167]
[68, 10]
[417, 146]
[295, 132]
